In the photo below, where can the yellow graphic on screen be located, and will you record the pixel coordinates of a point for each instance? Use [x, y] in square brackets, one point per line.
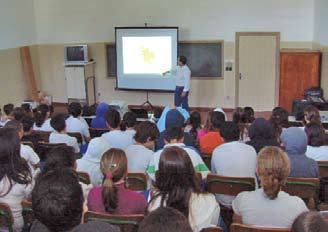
[148, 55]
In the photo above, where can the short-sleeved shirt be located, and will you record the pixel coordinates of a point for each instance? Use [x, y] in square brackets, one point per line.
[44, 127]
[256, 209]
[118, 139]
[138, 157]
[75, 125]
[317, 153]
[56, 137]
[29, 155]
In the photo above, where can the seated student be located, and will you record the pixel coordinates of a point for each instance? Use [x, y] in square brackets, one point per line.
[8, 110]
[26, 151]
[232, 158]
[177, 186]
[161, 123]
[16, 181]
[115, 137]
[237, 115]
[100, 121]
[294, 140]
[248, 115]
[165, 219]
[206, 127]
[316, 148]
[129, 123]
[64, 157]
[261, 135]
[213, 138]
[279, 121]
[42, 120]
[311, 114]
[174, 119]
[57, 203]
[310, 222]
[18, 113]
[27, 109]
[27, 123]
[174, 138]
[269, 206]
[90, 162]
[74, 124]
[140, 153]
[60, 134]
[193, 124]
[113, 197]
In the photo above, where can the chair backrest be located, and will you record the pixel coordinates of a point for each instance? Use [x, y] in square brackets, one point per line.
[95, 132]
[236, 227]
[127, 223]
[28, 143]
[76, 135]
[305, 188]
[6, 217]
[44, 135]
[137, 181]
[45, 148]
[229, 185]
[323, 168]
[207, 158]
[28, 215]
[84, 177]
[212, 229]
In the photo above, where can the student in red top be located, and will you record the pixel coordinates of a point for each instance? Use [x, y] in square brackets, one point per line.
[213, 138]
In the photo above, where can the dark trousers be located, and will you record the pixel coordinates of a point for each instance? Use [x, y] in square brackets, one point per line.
[181, 101]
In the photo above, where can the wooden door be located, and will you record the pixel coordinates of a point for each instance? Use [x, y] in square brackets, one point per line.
[299, 70]
[257, 70]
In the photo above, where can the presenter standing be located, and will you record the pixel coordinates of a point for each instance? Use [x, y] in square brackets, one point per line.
[182, 74]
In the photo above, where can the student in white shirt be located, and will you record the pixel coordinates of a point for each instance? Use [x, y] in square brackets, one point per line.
[269, 206]
[8, 110]
[129, 123]
[116, 138]
[26, 151]
[74, 124]
[60, 134]
[16, 180]
[316, 148]
[140, 153]
[42, 120]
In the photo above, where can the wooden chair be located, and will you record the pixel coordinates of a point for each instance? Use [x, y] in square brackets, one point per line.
[207, 158]
[28, 143]
[84, 177]
[6, 217]
[127, 223]
[212, 229]
[236, 227]
[323, 173]
[28, 215]
[76, 135]
[323, 168]
[137, 181]
[95, 132]
[44, 135]
[45, 148]
[305, 188]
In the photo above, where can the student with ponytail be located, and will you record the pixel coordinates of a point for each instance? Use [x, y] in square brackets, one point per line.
[269, 206]
[113, 197]
[42, 118]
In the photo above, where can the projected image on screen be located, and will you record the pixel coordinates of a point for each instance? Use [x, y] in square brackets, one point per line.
[146, 54]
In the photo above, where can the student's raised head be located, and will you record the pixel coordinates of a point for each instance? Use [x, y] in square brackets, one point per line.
[176, 179]
[182, 60]
[147, 133]
[165, 219]
[58, 122]
[310, 222]
[230, 131]
[237, 115]
[273, 168]
[12, 166]
[41, 114]
[311, 114]
[57, 199]
[8, 109]
[60, 157]
[75, 109]
[248, 115]
[315, 134]
[17, 126]
[174, 135]
[129, 120]
[114, 166]
[27, 123]
[113, 119]
[217, 119]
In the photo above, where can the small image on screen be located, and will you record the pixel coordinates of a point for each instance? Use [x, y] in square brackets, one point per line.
[75, 53]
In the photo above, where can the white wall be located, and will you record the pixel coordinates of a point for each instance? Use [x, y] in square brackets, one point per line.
[73, 21]
[17, 23]
[321, 22]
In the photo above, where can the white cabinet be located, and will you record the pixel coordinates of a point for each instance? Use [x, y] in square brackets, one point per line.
[80, 83]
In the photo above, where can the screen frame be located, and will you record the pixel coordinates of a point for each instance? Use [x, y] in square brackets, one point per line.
[143, 28]
[85, 54]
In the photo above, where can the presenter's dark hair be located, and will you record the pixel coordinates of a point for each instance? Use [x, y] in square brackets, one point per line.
[58, 122]
[146, 130]
[230, 131]
[183, 59]
[113, 118]
[57, 199]
[75, 109]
